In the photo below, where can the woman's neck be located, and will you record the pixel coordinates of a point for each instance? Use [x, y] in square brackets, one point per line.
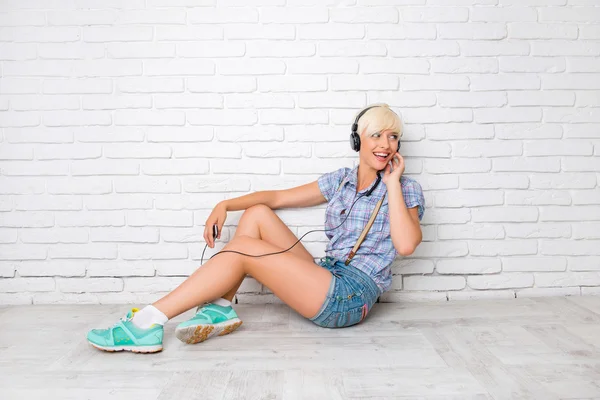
[365, 178]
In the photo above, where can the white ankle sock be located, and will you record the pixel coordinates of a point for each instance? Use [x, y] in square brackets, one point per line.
[147, 316]
[222, 302]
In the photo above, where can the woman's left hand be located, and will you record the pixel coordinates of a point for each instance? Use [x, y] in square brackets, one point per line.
[397, 163]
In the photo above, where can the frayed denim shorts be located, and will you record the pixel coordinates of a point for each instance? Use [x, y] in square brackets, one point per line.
[352, 293]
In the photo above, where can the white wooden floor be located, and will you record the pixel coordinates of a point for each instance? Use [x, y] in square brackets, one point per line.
[538, 348]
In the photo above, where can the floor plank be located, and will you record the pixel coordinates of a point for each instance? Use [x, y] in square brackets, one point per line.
[530, 348]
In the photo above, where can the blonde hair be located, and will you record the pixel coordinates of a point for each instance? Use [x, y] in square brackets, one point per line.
[378, 119]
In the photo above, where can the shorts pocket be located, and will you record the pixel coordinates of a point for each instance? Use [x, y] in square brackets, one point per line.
[347, 318]
[348, 290]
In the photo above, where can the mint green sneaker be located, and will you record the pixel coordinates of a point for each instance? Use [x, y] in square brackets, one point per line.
[210, 319]
[125, 336]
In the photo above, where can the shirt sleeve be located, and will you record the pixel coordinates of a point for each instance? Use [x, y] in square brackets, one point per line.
[413, 196]
[329, 182]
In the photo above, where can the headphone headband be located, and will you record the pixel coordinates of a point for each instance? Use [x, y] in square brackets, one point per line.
[354, 136]
[355, 124]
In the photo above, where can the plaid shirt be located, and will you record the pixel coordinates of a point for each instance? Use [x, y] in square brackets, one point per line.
[376, 253]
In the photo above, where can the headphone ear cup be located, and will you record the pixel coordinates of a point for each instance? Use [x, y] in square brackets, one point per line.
[355, 141]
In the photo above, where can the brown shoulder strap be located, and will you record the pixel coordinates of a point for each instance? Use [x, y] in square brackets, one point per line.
[365, 231]
[362, 236]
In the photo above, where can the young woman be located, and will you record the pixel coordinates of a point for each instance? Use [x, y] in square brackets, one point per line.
[338, 291]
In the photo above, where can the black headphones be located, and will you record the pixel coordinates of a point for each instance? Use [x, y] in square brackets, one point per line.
[355, 137]
[375, 185]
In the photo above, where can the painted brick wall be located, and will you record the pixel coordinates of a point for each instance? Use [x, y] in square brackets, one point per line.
[123, 123]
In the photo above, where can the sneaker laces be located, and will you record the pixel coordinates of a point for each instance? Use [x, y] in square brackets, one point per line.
[201, 308]
[126, 317]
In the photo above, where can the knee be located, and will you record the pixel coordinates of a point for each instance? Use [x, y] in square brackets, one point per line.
[241, 244]
[256, 211]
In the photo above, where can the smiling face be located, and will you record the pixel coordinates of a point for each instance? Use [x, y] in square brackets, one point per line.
[380, 129]
[377, 148]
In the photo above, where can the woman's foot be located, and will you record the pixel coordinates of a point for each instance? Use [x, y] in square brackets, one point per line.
[125, 336]
[210, 319]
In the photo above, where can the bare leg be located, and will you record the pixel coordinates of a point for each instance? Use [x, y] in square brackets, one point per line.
[300, 283]
[261, 222]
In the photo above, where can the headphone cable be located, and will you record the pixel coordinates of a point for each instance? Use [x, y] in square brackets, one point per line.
[283, 251]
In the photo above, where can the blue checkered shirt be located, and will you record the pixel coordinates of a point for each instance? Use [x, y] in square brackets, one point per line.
[376, 253]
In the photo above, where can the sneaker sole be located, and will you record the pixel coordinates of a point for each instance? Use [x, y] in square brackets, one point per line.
[199, 333]
[133, 349]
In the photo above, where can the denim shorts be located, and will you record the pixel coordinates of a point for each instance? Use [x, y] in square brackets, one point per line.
[351, 295]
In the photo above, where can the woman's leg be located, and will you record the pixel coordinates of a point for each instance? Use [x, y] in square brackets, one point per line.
[261, 222]
[300, 283]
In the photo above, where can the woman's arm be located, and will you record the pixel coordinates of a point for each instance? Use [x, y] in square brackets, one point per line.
[301, 196]
[405, 227]
[266, 197]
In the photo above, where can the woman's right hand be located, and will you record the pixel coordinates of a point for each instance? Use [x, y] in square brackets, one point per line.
[216, 217]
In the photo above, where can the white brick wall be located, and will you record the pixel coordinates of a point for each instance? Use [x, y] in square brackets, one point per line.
[123, 123]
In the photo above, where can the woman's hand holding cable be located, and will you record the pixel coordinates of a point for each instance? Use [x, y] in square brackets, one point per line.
[216, 217]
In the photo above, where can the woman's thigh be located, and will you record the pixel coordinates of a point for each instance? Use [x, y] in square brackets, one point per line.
[261, 222]
[301, 284]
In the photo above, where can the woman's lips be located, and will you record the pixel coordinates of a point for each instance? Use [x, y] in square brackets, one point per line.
[380, 159]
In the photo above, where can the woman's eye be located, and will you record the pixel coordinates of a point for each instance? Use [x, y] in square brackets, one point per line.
[377, 134]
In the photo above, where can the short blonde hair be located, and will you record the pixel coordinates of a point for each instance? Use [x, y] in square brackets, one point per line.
[378, 119]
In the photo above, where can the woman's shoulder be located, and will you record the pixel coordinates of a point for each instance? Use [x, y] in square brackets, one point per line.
[340, 173]
[413, 194]
[343, 171]
[330, 181]
[409, 183]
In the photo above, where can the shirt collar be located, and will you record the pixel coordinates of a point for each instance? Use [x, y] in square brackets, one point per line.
[353, 176]
[353, 179]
